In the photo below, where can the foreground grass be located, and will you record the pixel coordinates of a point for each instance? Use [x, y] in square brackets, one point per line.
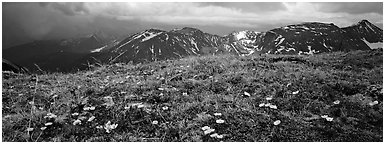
[229, 95]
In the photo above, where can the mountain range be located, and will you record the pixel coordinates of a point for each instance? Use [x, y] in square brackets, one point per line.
[153, 45]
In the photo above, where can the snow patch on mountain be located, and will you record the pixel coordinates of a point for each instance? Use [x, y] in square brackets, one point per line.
[150, 35]
[373, 45]
[311, 51]
[241, 35]
[98, 49]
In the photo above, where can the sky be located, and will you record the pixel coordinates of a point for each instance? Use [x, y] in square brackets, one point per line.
[26, 22]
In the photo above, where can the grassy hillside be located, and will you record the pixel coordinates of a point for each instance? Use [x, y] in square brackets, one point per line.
[255, 98]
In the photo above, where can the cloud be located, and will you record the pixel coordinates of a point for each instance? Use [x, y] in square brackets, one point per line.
[254, 7]
[35, 21]
[352, 7]
[67, 8]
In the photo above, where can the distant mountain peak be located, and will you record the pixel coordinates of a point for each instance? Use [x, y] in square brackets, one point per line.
[366, 31]
[154, 30]
[245, 34]
[187, 30]
[363, 23]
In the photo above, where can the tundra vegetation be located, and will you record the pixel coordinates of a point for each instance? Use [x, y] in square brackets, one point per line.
[329, 97]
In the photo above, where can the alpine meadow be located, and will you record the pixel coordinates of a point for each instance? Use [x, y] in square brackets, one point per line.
[192, 72]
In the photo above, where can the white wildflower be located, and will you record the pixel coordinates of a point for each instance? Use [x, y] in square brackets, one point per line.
[48, 123]
[77, 122]
[217, 114]
[246, 94]
[269, 98]
[262, 104]
[86, 108]
[214, 135]
[219, 136]
[208, 131]
[91, 118]
[155, 122]
[184, 93]
[50, 115]
[108, 126]
[29, 129]
[99, 127]
[92, 108]
[273, 106]
[205, 128]
[165, 108]
[277, 122]
[336, 102]
[43, 128]
[324, 116]
[296, 92]
[288, 84]
[140, 106]
[220, 121]
[373, 103]
[161, 89]
[75, 114]
[329, 119]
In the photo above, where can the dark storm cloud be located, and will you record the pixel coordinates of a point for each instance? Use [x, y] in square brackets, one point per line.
[25, 22]
[69, 8]
[352, 7]
[259, 7]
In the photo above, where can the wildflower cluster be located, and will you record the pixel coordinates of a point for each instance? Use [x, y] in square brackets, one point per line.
[373, 103]
[108, 126]
[50, 118]
[208, 130]
[327, 117]
[268, 104]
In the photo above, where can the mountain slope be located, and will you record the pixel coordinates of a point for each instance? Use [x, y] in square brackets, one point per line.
[54, 55]
[309, 38]
[153, 45]
[367, 32]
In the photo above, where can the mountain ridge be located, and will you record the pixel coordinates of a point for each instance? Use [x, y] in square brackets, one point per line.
[155, 44]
